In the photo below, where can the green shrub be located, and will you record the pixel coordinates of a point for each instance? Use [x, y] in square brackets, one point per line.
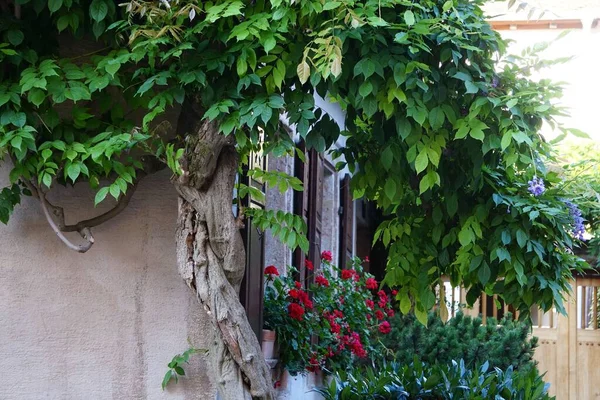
[502, 344]
[439, 381]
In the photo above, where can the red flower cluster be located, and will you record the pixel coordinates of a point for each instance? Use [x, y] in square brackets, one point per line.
[371, 284]
[313, 364]
[326, 256]
[271, 270]
[370, 303]
[347, 274]
[296, 311]
[385, 327]
[379, 315]
[309, 265]
[394, 292]
[321, 280]
[354, 344]
[383, 299]
[298, 285]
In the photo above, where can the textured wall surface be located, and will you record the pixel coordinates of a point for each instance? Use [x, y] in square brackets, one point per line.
[100, 325]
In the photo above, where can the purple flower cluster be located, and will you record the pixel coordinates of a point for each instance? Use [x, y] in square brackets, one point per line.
[577, 228]
[536, 186]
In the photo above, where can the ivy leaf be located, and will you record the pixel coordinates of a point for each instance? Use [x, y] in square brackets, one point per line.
[36, 96]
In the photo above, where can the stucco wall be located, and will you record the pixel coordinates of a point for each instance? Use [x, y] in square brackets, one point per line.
[100, 325]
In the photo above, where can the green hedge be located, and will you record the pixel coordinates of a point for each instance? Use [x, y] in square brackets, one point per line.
[502, 344]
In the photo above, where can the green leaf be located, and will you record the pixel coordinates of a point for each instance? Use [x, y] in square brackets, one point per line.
[101, 195]
[98, 10]
[409, 18]
[365, 89]
[506, 139]
[54, 5]
[436, 118]
[36, 96]
[15, 37]
[405, 304]
[73, 171]
[390, 188]
[471, 87]
[511, 103]
[421, 161]
[484, 274]
[521, 238]
[330, 5]
[387, 157]
[303, 72]
[115, 191]
[167, 379]
[421, 314]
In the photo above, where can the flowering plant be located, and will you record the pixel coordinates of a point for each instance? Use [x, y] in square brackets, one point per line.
[332, 323]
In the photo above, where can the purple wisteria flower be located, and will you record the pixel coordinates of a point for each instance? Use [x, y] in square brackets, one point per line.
[536, 186]
[578, 227]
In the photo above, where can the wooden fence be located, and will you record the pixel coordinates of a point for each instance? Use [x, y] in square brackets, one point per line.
[569, 347]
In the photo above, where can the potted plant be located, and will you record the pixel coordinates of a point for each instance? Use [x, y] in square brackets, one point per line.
[341, 308]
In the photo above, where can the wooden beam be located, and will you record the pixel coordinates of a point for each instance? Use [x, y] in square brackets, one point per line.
[543, 24]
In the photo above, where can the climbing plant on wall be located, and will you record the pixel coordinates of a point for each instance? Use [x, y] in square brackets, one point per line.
[441, 129]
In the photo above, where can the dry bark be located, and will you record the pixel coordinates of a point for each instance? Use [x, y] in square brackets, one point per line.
[211, 256]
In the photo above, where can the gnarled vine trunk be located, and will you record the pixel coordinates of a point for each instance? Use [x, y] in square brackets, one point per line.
[211, 256]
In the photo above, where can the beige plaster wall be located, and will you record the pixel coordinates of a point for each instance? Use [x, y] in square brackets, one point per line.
[100, 325]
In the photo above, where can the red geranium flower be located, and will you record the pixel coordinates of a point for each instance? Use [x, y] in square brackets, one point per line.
[369, 317]
[381, 303]
[385, 327]
[390, 312]
[296, 311]
[271, 270]
[294, 294]
[309, 265]
[297, 284]
[394, 292]
[326, 256]
[370, 303]
[335, 328]
[313, 364]
[338, 314]
[347, 273]
[371, 283]
[379, 315]
[321, 280]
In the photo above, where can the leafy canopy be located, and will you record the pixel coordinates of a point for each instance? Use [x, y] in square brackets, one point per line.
[441, 129]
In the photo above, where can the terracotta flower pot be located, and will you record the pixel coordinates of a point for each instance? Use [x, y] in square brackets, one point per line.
[268, 343]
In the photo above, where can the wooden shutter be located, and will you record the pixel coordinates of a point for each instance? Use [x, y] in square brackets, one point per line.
[301, 171]
[315, 206]
[309, 204]
[251, 291]
[346, 223]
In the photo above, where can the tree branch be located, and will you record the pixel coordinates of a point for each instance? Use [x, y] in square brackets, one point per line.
[122, 203]
[85, 233]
